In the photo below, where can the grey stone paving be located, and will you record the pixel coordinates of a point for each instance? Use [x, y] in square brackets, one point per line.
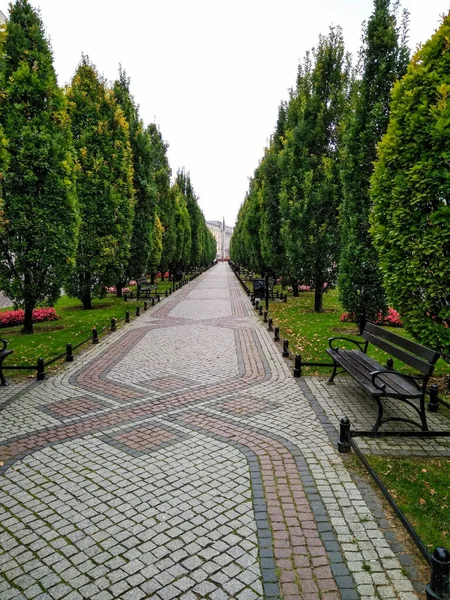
[180, 459]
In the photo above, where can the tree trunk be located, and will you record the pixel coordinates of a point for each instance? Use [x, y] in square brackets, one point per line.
[318, 297]
[87, 301]
[28, 321]
[119, 289]
[162, 275]
[152, 278]
[295, 288]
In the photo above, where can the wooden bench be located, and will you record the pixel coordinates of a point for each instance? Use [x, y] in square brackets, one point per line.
[145, 289]
[385, 382]
[3, 354]
[259, 288]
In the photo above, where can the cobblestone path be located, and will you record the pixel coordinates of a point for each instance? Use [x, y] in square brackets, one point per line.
[180, 459]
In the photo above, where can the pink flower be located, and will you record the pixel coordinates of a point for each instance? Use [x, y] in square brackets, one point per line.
[10, 318]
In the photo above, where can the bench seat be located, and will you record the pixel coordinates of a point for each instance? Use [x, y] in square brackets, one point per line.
[360, 366]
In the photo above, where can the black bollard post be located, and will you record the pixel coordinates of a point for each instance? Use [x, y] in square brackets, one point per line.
[125, 298]
[94, 335]
[138, 310]
[285, 352]
[270, 326]
[344, 436]
[153, 300]
[252, 298]
[260, 310]
[127, 317]
[265, 316]
[390, 363]
[298, 366]
[285, 298]
[439, 586]
[433, 404]
[113, 325]
[166, 293]
[278, 294]
[145, 305]
[69, 353]
[276, 334]
[40, 375]
[158, 298]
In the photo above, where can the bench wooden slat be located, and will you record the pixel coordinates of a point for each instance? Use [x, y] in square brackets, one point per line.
[429, 355]
[413, 361]
[359, 365]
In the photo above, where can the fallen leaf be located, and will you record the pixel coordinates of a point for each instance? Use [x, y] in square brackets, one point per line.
[422, 501]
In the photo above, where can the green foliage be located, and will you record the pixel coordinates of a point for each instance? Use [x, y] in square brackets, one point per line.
[165, 199]
[272, 247]
[104, 183]
[39, 220]
[410, 194]
[182, 255]
[311, 190]
[196, 217]
[384, 57]
[142, 245]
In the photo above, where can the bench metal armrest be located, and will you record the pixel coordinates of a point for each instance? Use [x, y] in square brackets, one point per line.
[4, 342]
[361, 345]
[382, 386]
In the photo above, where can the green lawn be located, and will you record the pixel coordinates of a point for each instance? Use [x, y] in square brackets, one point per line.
[50, 338]
[308, 332]
[421, 488]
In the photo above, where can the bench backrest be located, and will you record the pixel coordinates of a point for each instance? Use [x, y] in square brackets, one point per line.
[419, 357]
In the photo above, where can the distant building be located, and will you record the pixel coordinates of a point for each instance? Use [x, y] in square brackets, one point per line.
[3, 19]
[222, 234]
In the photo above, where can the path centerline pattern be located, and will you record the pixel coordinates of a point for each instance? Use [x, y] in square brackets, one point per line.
[179, 459]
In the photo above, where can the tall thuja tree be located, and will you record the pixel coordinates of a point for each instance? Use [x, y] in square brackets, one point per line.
[183, 180]
[104, 184]
[272, 247]
[384, 59]
[312, 192]
[411, 195]
[165, 200]
[143, 239]
[38, 236]
[182, 255]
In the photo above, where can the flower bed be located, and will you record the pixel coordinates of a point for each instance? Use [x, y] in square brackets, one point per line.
[10, 318]
[390, 319]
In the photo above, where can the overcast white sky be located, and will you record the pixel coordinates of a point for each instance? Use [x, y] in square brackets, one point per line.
[211, 74]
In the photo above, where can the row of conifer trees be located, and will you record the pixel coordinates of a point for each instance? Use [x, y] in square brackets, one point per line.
[86, 195]
[354, 185]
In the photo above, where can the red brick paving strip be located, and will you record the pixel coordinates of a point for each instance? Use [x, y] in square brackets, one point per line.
[299, 553]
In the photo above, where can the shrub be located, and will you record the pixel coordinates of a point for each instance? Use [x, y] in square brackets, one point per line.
[10, 318]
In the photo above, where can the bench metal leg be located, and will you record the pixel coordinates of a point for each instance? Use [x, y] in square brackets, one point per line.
[333, 374]
[4, 383]
[379, 420]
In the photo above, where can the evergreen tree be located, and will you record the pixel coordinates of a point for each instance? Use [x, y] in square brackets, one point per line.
[272, 247]
[384, 60]
[104, 184]
[183, 181]
[410, 193]
[142, 246]
[38, 236]
[182, 255]
[311, 191]
[165, 199]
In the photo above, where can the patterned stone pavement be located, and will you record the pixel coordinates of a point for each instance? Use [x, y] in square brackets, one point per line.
[180, 459]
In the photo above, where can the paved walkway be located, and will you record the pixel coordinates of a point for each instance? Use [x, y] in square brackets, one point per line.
[179, 458]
